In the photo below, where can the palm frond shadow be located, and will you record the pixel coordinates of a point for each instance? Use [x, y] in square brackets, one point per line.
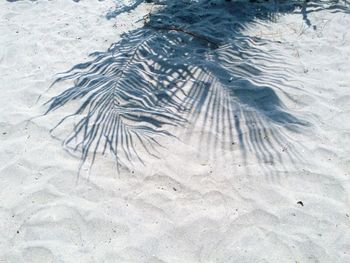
[189, 65]
[126, 95]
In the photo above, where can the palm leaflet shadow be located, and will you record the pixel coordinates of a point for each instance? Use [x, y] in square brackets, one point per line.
[190, 64]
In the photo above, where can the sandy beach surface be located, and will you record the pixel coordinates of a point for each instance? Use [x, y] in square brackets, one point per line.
[203, 131]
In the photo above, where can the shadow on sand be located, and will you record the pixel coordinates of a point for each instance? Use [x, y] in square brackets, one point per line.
[189, 65]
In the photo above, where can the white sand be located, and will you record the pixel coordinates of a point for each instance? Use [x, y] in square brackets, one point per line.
[206, 198]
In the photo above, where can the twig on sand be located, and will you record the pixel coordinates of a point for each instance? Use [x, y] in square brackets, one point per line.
[177, 29]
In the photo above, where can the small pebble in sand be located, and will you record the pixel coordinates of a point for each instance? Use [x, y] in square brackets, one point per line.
[300, 203]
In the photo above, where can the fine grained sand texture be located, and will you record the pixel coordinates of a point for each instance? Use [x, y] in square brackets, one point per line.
[254, 165]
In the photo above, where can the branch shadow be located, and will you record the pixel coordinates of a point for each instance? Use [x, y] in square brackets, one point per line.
[189, 66]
